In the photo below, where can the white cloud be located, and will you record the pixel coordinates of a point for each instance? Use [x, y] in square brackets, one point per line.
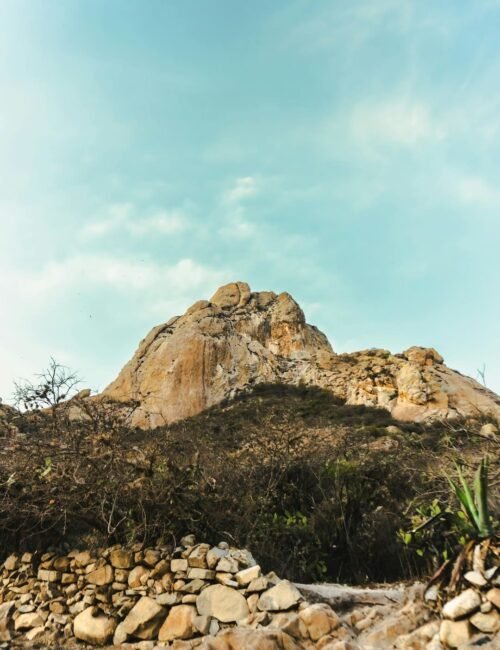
[476, 190]
[123, 217]
[243, 188]
[115, 273]
[401, 123]
[233, 200]
[52, 297]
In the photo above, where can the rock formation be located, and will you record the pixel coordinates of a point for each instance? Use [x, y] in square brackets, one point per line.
[221, 347]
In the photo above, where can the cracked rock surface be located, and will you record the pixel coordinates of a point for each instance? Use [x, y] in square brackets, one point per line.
[238, 338]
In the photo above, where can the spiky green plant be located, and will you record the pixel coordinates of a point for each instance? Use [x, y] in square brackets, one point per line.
[474, 501]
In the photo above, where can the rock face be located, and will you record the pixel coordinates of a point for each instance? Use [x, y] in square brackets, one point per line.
[221, 347]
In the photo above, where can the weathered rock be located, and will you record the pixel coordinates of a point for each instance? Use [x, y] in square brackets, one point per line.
[144, 619]
[281, 597]
[240, 338]
[247, 639]
[27, 621]
[138, 577]
[493, 595]
[462, 605]
[104, 575]
[179, 623]
[488, 623]
[121, 558]
[455, 633]
[6, 621]
[245, 577]
[223, 603]
[320, 620]
[94, 627]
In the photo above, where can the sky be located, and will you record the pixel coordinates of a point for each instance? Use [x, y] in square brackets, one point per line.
[345, 151]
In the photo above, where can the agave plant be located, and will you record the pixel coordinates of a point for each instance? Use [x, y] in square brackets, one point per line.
[475, 502]
[478, 560]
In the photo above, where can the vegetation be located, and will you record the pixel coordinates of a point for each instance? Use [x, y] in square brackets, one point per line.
[316, 488]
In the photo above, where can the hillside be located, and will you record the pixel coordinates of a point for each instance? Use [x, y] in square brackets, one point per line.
[240, 338]
[317, 488]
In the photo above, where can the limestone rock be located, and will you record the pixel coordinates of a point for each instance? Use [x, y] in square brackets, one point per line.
[223, 603]
[488, 623]
[104, 575]
[121, 559]
[27, 621]
[455, 633]
[179, 623]
[6, 620]
[238, 338]
[462, 605]
[320, 620]
[144, 619]
[280, 597]
[93, 627]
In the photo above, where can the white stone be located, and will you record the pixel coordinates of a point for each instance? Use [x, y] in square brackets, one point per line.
[462, 605]
[223, 603]
[281, 597]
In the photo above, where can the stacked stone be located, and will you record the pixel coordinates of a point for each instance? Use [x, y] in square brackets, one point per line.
[474, 612]
[125, 595]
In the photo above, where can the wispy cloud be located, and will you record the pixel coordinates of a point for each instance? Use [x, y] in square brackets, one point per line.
[124, 217]
[401, 123]
[476, 191]
[234, 200]
[242, 188]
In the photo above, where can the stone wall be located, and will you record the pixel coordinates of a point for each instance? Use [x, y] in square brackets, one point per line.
[178, 598]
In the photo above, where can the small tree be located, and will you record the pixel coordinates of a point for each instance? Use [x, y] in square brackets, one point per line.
[53, 386]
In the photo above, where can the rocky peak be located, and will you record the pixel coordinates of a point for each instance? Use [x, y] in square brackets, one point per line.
[238, 338]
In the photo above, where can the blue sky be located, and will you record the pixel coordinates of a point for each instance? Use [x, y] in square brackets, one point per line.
[345, 151]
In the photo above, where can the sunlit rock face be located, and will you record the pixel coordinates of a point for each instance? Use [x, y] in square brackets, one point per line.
[238, 338]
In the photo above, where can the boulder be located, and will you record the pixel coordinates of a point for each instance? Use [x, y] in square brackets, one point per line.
[465, 603]
[455, 633]
[223, 603]
[104, 575]
[319, 620]
[27, 621]
[6, 620]
[94, 627]
[121, 559]
[144, 619]
[281, 597]
[179, 623]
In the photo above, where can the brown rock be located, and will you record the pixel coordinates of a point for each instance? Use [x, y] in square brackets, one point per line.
[320, 620]
[121, 559]
[104, 575]
[144, 619]
[488, 623]
[178, 624]
[493, 595]
[93, 627]
[455, 633]
[6, 620]
[137, 577]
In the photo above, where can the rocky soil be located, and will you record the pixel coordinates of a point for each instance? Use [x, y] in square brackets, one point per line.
[238, 338]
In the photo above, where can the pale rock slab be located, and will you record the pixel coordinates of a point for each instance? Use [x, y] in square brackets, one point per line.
[93, 627]
[223, 603]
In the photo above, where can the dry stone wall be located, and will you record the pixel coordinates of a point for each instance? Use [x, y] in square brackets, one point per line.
[193, 595]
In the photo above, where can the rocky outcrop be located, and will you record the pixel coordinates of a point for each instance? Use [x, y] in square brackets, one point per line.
[238, 338]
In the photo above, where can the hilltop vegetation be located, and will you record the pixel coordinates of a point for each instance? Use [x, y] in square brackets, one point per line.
[317, 489]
